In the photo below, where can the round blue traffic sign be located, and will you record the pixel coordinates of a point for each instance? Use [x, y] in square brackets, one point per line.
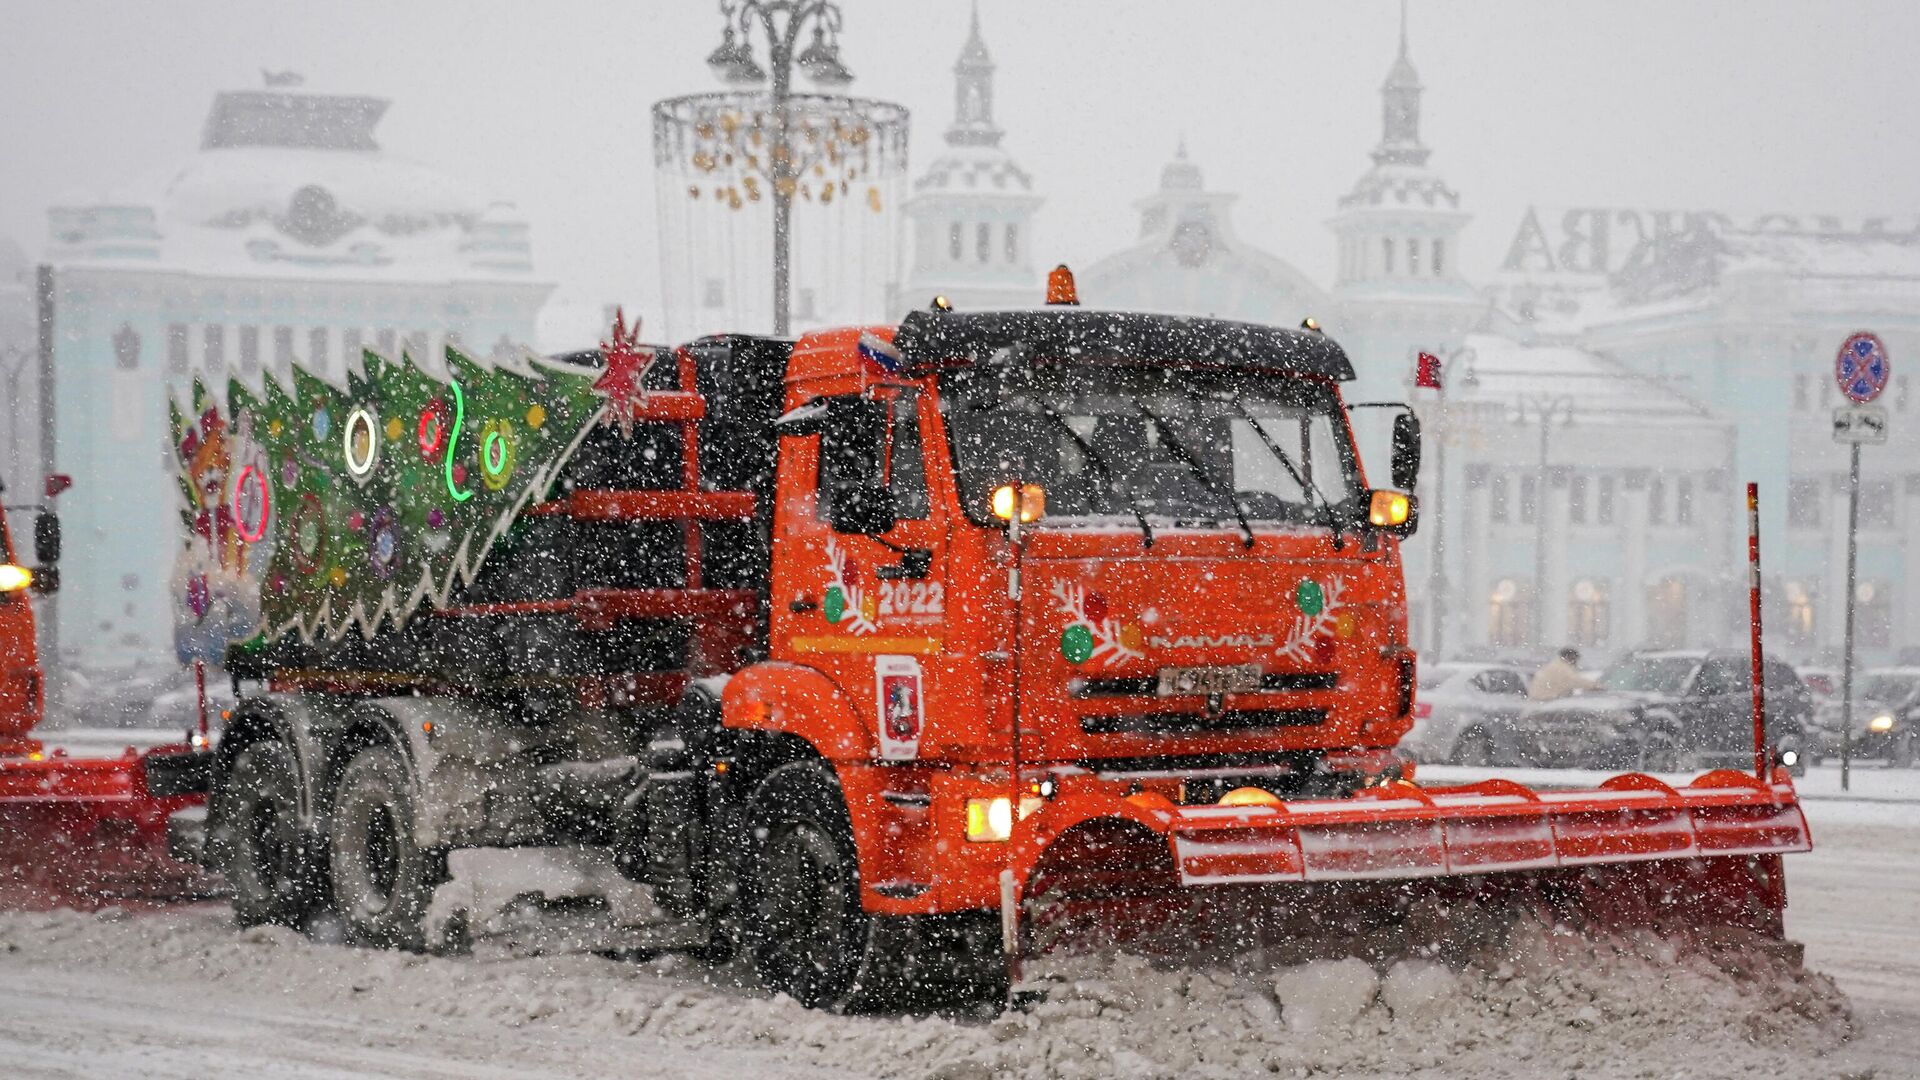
[1862, 367]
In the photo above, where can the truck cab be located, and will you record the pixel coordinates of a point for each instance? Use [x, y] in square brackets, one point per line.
[1056, 558]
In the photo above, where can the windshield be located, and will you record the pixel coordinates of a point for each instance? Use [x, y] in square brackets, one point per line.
[1115, 442]
[1647, 674]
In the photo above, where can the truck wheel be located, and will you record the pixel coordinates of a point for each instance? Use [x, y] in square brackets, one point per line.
[266, 866]
[380, 875]
[806, 931]
[1474, 748]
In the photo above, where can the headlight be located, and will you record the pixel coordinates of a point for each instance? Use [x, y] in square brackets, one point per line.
[14, 578]
[1883, 722]
[990, 819]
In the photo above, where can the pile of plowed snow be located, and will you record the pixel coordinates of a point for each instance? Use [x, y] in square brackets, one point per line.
[1541, 1003]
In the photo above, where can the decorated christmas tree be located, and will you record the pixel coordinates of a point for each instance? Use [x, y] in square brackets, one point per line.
[344, 507]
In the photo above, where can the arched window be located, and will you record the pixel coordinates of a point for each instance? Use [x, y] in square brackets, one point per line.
[1413, 258]
[1589, 617]
[1509, 615]
[1386, 255]
[1439, 257]
[954, 240]
[1013, 242]
[1800, 613]
[983, 242]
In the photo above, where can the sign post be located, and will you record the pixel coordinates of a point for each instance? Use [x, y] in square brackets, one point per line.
[1861, 369]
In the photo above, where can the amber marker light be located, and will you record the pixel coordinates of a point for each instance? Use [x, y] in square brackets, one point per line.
[1032, 497]
[1249, 796]
[14, 578]
[1387, 509]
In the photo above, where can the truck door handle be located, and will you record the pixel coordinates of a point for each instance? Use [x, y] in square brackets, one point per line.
[803, 605]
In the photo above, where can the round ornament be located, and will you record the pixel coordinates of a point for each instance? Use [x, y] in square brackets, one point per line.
[834, 604]
[1076, 643]
[361, 443]
[251, 504]
[1311, 599]
[497, 445]
[309, 528]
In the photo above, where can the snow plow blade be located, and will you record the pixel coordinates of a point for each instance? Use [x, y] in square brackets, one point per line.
[1403, 831]
[86, 831]
[1634, 852]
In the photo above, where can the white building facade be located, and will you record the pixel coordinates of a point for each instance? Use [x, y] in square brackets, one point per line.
[290, 236]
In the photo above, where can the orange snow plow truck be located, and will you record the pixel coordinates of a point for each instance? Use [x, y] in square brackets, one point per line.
[73, 830]
[890, 652]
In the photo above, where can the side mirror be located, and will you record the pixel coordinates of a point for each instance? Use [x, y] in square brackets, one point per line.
[1406, 451]
[46, 538]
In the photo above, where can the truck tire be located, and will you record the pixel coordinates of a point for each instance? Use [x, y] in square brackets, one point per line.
[266, 864]
[805, 930]
[381, 879]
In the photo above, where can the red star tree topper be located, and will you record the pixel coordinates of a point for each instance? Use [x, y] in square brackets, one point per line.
[627, 364]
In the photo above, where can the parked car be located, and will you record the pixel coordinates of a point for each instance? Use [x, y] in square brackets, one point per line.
[1886, 718]
[1672, 712]
[1463, 713]
[1824, 682]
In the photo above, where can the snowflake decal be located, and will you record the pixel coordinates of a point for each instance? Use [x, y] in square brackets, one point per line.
[1319, 608]
[844, 602]
[1090, 634]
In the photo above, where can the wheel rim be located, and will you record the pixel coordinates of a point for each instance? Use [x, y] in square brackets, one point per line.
[268, 851]
[371, 858]
[383, 858]
[802, 911]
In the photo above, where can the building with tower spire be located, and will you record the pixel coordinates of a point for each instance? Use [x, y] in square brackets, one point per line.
[1398, 285]
[971, 213]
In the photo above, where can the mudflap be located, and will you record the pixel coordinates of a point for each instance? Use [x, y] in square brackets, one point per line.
[1409, 871]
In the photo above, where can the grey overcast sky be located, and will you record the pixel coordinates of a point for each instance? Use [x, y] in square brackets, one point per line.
[1745, 107]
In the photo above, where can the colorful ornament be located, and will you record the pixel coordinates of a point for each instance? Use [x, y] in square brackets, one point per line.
[322, 423]
[360, 442]
[251, 504]
[432, 429]
[496, 454]
[1076, 643]
[834, 605]
[1309, 597]
[623, 381]
[457, 475]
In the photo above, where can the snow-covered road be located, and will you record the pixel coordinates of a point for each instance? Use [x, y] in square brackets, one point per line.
[183, 993]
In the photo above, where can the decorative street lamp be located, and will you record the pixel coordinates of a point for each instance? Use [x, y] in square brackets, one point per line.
[1437, 587]
[740, 147]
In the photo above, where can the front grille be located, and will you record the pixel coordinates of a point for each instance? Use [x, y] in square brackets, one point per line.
[1179, 723]
[1149, 685]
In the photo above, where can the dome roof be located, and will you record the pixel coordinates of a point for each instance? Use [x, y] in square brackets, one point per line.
[970, 169]
[288, 181]
[1393, 186]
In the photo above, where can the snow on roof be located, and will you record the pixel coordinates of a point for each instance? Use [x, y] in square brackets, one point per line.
[292, 184]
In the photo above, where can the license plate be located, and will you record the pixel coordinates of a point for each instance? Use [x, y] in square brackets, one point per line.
[1233, 679]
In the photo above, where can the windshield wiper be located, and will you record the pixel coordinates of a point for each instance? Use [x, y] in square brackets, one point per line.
[1095, 459]
[1198, 470]
[1315, 500]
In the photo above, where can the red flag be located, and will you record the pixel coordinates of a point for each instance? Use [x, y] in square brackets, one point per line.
[1428, 374]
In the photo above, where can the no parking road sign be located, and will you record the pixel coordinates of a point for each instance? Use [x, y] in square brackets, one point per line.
[1861, 368]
